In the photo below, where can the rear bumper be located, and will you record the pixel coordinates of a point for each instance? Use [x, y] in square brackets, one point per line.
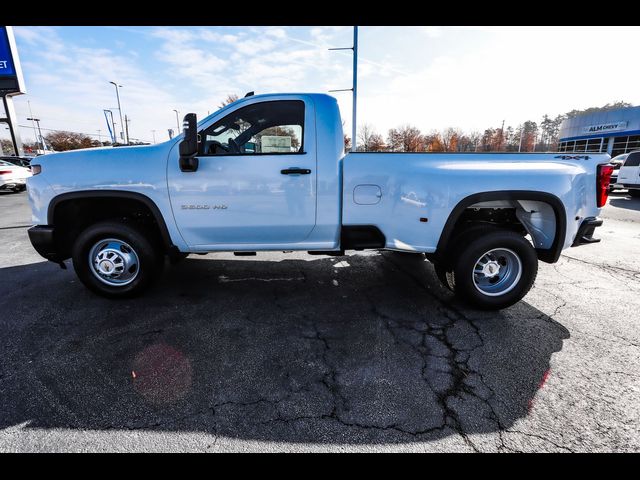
[43, 240]
[585, 232]
[13, 184]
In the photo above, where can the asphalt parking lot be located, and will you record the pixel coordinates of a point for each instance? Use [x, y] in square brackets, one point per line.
[302, 353]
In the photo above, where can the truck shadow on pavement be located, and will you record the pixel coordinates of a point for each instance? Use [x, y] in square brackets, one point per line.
[360, 349]
[625, 201]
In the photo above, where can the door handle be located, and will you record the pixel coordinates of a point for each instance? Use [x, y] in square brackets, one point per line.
[295, 171]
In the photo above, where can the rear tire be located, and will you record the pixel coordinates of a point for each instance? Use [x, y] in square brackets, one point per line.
[634, 193]
[495, 270]
[117, 260]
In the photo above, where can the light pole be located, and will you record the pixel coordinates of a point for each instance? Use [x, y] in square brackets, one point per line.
[153, 132]
[177, 120]
[113, 124]
[354, 88]
[37, 120]
[120, 110]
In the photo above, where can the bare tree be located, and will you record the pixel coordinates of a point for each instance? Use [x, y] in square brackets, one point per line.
[450, 138]
[364, 137]
[61, 141]
[405, 139]
[232, 97]
[376, 143]
[432, 142]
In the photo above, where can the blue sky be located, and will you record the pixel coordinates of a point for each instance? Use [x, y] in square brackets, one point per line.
[431, 77]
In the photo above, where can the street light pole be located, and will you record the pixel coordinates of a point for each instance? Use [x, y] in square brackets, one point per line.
[354, 88]
[177, 120]
[120, 110]
[41, 142]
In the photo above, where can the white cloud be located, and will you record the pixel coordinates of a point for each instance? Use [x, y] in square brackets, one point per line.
[275, 32]
[432, 32]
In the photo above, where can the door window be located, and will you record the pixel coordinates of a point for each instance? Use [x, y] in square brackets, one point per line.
[261, 128]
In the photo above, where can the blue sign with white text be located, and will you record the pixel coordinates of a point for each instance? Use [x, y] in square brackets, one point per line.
[6, 62]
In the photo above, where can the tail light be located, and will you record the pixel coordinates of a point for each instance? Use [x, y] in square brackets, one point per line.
[602, 185]
[5, 172]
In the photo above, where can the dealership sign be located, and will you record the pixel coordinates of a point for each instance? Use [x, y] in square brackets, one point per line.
[605, 127]
[10, 73]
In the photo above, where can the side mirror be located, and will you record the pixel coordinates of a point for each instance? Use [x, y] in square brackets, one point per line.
[189, 144]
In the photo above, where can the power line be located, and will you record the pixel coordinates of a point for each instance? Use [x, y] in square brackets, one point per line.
[82, 133]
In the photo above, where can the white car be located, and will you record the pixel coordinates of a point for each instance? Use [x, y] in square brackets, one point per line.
[13, 177]
[617, 163]
[629, 174]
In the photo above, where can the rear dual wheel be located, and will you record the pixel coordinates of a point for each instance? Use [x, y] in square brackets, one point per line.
[489, 268]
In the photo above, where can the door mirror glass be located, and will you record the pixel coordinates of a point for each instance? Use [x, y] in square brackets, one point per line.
[189, 144]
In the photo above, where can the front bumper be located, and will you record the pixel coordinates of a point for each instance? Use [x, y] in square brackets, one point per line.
[585, 232]
[43, 240]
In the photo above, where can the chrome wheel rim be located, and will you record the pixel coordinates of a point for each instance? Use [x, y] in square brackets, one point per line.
[114, 262]
[497, 272]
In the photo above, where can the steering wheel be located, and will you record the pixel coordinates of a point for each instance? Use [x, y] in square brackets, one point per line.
[216, 148]
[233, 146]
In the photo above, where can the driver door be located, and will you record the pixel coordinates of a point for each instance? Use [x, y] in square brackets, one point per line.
[255, 182]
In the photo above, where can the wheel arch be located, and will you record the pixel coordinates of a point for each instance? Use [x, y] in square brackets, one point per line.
[549, 255]
[90, 195]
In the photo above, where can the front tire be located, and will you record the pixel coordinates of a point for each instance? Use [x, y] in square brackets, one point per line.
[116, 260]
[496, 270]
[634, 193]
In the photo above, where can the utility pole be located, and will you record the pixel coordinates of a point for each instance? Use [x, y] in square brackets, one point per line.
[41, 141]
[521, 132]
[33, 124]
[177, 120]
[120, 110]
[354, 88]
[501, 135]
[126, 127]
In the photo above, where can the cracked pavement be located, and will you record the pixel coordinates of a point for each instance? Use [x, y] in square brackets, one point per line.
[290, 352]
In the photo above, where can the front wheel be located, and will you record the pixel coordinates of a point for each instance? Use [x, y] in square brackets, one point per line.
[495, 270]
[116, 260]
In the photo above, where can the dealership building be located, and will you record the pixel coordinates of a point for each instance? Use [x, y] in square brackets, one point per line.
[613, 132]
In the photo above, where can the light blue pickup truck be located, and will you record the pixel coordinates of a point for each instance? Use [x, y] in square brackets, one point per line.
[269, 172]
